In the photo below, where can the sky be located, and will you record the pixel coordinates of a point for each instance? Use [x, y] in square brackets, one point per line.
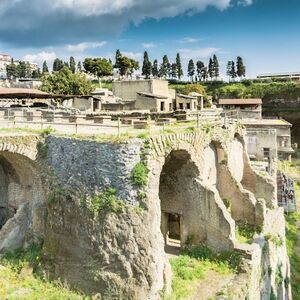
[264, 32]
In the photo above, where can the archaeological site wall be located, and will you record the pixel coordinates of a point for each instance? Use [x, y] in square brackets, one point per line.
[191, 188]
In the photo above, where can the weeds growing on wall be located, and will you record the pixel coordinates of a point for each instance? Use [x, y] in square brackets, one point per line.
[244, 232]
[139, 174]
[107, 201]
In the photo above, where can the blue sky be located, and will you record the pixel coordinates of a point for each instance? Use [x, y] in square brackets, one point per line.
[264, 32]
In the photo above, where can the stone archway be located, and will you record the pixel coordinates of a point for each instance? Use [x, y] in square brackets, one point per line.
[21, 195]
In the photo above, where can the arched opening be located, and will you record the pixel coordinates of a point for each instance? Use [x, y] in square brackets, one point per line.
[179, 198]
[20, 192]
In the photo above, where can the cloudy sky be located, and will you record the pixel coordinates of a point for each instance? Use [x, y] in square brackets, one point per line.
[264, 32]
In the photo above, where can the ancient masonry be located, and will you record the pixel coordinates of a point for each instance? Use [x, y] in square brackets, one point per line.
[48, 185]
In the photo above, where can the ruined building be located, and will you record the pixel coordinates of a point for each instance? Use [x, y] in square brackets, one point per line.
[48, 192]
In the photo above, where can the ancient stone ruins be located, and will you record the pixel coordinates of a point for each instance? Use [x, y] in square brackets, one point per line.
[47, 187]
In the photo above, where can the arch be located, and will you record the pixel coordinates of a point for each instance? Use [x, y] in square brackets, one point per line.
[21, 194]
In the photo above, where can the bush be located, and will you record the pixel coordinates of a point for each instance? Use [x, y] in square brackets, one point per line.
[139, 174]
[107, 201]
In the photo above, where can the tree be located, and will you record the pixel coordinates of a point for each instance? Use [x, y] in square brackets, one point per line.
[36, 74]
[72, 64]
[66, 83]
[204, 73]
[165, 67]
[45, 67]
[118, 58]
[211, 73]
[147, 66]
[58, 64]
[216, 67]
[11, 71]
[174, 71]
[200, 65]
[155, 69]
[99, 67]
[179, 66]
[134, 65]
[191, 69]
[240, 67]
[79, 66]
[28, 71]
[22, 69]
[231, 72]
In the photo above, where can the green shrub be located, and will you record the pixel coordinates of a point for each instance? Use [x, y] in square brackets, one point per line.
[244, 232]
[139, 174]
[107, 201]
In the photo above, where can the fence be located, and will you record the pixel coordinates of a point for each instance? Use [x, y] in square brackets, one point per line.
[112, 125]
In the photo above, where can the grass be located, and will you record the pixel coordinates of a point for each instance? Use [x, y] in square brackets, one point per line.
[292, 242]
[19, 280]
[43, 132]
[193, 264]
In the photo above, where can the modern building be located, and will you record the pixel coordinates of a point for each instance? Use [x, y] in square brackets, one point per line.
[5, 59]
[246, 108]
[295, 76]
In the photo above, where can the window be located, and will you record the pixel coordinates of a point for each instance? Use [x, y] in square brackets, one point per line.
[266, 152]
[162, 106]
[180, 105]
[188, 106]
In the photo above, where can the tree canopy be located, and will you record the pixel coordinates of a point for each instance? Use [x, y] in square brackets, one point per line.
[99, 67]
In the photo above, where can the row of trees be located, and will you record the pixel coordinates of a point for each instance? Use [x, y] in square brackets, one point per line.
[164, 69]
[21, 69]
[237, 69]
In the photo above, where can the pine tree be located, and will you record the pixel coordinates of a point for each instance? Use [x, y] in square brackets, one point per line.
[240, 67]
[72, 64]
[191, 69]
[118, 58]
[179, 66]
[147, 66]
[204, 73]
[174, 71]
[228, 69]
[45, 67]
[211, 72]
[58, 64]
[79, 66]
[216, 67]
[200, 65]
[165, 67]
[231, 72]
[155, 69]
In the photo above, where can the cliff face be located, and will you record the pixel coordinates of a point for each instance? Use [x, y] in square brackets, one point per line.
[104, 212]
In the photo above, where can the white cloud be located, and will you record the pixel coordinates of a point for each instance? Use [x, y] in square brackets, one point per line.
[198, 53]
[40, 57]
[148, 45]
[133, 55]
[81, 47]
[188, 40]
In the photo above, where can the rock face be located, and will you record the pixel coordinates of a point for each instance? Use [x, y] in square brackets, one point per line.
[190, 178]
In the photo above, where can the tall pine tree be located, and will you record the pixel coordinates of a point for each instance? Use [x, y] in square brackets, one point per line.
[211, 72]
[155, 69]
[179, 66]
[200, 65]
[72, 64]
[191, 69]
[45, 67]
[240, 67]
[216, 67]
[147, 66]
[79, 67]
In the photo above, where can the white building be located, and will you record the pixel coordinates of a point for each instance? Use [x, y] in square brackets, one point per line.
[5, 60]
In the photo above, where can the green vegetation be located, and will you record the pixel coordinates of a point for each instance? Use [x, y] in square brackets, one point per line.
[107, 201]
[192, 265]
[244, 232]
[65, 82]
[139, 174]
[275, 239]
[21, 277]
[292, 242]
